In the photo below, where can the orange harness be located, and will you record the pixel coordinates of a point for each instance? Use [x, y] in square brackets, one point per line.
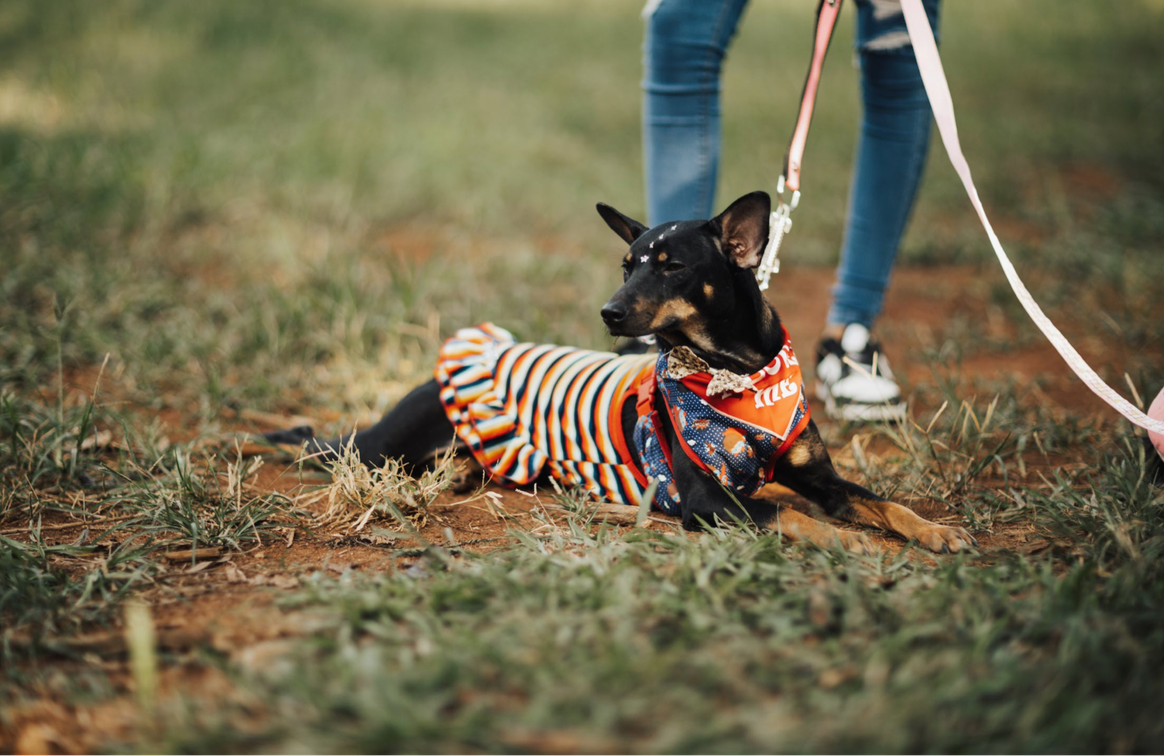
[735, 434]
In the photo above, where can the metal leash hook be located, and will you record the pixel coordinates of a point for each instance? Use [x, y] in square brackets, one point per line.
[779, 223]
[781, 220]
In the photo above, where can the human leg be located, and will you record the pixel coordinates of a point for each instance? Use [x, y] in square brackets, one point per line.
[683, 51]
[853, 376]
[891, 152]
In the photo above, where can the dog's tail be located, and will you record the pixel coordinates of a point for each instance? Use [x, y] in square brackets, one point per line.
[303, 437]
[414, 432]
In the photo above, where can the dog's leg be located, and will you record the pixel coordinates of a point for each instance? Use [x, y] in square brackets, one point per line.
[801, 527]
[413, 431]
[704, 500]
[808, 470]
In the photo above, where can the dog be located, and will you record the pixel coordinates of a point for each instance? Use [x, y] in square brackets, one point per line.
[716, 415]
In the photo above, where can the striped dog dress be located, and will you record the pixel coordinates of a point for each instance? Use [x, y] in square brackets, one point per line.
[523, 409]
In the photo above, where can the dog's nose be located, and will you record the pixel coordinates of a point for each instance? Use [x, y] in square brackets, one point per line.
[613, 312]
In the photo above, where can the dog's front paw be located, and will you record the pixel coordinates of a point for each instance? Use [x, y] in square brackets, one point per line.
[858, 543]
[944, 539]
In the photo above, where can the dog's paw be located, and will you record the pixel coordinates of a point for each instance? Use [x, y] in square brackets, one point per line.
[858, 543]
[944, 540]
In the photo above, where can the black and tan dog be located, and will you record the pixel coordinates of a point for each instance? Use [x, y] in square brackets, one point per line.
[690, 284]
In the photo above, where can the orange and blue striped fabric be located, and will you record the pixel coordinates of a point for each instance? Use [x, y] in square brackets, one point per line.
[525, 408]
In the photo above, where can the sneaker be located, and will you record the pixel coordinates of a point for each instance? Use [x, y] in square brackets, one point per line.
[854, 380]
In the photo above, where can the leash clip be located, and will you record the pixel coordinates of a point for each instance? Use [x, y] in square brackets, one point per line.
[779, 223]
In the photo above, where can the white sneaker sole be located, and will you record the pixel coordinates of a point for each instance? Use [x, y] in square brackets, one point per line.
[856, 412]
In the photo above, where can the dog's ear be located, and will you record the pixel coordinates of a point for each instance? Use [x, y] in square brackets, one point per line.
[628, 228]
[743, 229]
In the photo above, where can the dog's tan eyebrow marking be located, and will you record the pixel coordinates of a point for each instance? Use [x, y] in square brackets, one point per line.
[662, 257]
[628, 258]
[708, 290]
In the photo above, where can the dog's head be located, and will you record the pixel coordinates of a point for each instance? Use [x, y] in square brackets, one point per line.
[679, 277]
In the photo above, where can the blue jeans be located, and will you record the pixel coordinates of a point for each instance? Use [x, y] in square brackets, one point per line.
[686, 41]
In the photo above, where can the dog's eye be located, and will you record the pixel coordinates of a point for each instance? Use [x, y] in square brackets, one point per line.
[675, 266]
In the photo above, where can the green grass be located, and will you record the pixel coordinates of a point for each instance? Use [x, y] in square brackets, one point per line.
[284, 206]
[733, 643]
[135, 501]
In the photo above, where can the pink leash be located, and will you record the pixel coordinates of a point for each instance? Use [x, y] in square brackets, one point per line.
[826, 19]
[780, 221]
[942, 104]
[938, 91]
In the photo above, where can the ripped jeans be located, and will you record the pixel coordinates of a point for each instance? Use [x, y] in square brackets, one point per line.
[686, 41]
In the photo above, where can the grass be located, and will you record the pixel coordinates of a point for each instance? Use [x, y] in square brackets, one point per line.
[214, 208]
[40, 600]
[732, 643]
[134, 502]
[357, 494]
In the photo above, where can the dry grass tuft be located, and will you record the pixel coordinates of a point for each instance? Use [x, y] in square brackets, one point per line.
[386, 495]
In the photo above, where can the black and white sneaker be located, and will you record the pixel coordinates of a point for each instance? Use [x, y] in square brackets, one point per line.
[854, 380]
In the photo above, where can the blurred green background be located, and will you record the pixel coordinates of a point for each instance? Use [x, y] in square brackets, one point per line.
[220, 194]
